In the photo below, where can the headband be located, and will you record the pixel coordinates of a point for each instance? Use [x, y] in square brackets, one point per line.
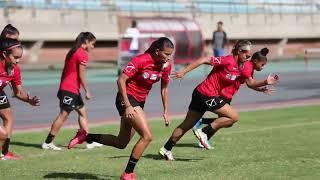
[246, 47]
[12, 47]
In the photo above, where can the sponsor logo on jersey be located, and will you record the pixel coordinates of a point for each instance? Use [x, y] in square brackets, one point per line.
[153, 77]
[216, 60]
[130, 67]
[145, 75]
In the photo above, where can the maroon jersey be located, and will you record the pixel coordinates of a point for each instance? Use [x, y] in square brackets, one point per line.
[224, 73]
[12, 76]
[143, 72]
[70, 79]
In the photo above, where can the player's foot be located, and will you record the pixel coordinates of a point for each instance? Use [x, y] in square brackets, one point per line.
[203, 139]
[79, 138]
[166, 154]
[50, 146]
[211, 146]
[10, 156]
[93, 145]
[128, 176]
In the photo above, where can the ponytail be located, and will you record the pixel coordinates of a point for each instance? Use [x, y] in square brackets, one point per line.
[81, 38]
[9, 30]
[261, 55]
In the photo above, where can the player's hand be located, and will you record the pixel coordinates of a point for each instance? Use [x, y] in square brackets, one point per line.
[166, 119]
[34, 101]
[88, 95]
[129, 112]
[268, 90]
[177, 75]
[272, 79]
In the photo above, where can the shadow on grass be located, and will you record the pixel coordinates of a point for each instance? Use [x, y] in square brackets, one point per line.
[63, 175]
[26, 144]
[117, 157]
[190, 145]
[159, 157]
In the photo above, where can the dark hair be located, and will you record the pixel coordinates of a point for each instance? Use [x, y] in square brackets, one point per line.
[220, 22]
[7, 44]
[261, 55]
[9, 30]
[239, 45]
[134, 23]
[160, 43]
[81, 38]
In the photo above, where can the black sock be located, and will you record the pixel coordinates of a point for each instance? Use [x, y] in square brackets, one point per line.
[209, 131]
[207, 120]
[93, 138]
[5, 147]
[131, 164]
[50, 138]
[169, 145]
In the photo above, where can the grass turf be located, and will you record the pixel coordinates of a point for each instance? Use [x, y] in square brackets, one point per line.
[270, 144]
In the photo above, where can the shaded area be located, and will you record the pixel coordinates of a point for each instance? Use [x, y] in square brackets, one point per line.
[159, 157]
[24, 144]
[63, 175]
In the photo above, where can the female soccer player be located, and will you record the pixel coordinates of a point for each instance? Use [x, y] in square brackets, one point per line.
[206, 96]
[134, 84]
[257, 62]
[73, 76]
[10, 31]
[10, 53]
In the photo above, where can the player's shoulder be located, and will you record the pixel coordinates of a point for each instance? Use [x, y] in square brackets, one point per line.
[248, 64]
[142, 58]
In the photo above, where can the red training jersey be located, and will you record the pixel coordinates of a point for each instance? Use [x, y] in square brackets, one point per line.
[12, 76]
[70, 79]
[224, 73]
[143, 71]
[246, 72]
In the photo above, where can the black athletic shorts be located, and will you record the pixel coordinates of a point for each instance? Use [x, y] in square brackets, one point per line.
[4, 101]
[202, 103]
[70, 101]
[121, 107]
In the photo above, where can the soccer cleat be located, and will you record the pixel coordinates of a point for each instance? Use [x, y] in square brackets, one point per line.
[197, 125]
[202, 137]
[50, 146]
[201, 146]
[128, 176]
[79, 138]
[166, 154]
[93, 145]
[10, 156]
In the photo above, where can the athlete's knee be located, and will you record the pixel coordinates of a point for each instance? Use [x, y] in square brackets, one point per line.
[122, 145]
[235, 117]
[232, 120]
[4, 135]
[147, 137]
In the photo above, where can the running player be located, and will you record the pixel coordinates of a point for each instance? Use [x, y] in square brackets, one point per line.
[10, 31]
[10, 53]
[73, 76]
[258, 61]
[134, 85]
[207, 97]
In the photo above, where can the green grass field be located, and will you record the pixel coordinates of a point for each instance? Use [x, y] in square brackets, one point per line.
[271, 144]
